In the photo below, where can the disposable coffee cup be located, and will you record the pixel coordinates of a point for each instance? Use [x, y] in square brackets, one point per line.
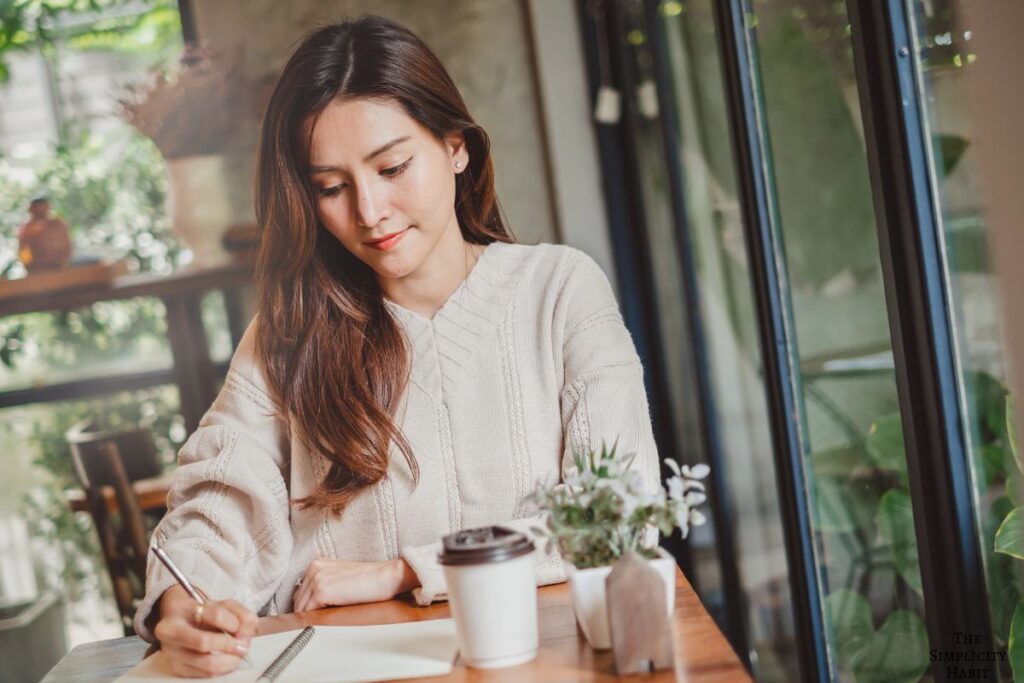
[492, 592]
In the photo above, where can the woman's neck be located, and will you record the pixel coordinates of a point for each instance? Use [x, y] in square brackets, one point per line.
[441, 273]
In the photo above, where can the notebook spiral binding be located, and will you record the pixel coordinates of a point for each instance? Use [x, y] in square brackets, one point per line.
[287, 656]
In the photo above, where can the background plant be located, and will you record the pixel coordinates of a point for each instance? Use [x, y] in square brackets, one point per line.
[71, 559]
[199, 107]
[44, 24]
[603, 510]
[863, 502]
[112, 194]
[1008, 543]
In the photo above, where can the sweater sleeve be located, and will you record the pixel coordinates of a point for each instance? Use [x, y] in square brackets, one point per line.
[227, 525]
[603, 397]
[602, 400]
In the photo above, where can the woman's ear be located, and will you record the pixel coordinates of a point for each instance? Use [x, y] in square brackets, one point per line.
[456, 146]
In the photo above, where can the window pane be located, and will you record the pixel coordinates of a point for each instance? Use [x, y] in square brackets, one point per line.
[727, 313]
[854, 461]
[944, 60]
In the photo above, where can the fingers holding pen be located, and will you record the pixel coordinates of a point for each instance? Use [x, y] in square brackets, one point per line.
[228, 616]
[177, 633]
[213, 644]
[247, 620]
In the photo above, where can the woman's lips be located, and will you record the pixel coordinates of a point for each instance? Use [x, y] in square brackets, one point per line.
[388, 241]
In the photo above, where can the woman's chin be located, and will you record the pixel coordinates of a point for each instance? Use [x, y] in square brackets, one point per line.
[392, 265]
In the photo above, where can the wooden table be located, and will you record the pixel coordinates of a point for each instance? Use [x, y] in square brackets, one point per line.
[702, 653]
[181, 293]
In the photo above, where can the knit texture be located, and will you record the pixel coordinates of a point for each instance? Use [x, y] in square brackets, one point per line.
[527, 362]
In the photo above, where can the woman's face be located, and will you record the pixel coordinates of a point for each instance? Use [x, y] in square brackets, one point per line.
[385, 185]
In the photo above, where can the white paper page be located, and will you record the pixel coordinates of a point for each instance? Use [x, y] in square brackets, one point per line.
[337, 654]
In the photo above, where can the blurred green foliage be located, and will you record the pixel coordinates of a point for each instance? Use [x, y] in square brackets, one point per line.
[110, 25]
[111, 190]
[73, 562]
[863, 503]
[112, 195]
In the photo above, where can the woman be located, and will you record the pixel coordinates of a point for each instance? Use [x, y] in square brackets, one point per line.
[411, 371]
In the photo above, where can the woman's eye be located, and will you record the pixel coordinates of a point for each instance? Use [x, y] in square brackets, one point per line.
[331, 191]
[395, 170]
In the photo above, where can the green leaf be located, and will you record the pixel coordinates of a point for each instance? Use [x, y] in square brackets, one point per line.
[897, 653]
[1015, 648]
[998, 511]
[993, 460]
[1011, 433]
[950, 149]
[1003, 594]
[841, 507]
[1010, 536]
[896, 527]
[849, 614]
[885, 443]
[1013, 489]
[989, 397]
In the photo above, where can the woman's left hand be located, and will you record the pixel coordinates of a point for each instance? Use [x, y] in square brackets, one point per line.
[339, 582]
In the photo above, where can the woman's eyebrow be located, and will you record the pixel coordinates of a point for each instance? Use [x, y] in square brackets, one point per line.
[380, 150]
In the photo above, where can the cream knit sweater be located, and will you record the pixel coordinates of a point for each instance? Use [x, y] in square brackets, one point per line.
[526, 362]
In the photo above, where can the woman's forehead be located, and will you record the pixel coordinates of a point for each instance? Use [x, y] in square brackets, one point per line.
[352, 132]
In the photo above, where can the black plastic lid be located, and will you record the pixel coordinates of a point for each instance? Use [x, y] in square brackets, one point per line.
[484, 545]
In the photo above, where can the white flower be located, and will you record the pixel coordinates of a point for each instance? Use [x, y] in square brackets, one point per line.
[698, 471]
[682, 519]
[618, 495]
[617, 487]
[634, 480]
[613, 468]
[675, 488]
[695, 498]
[629, 505]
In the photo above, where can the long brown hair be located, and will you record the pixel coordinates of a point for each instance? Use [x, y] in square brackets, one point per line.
[334, 356]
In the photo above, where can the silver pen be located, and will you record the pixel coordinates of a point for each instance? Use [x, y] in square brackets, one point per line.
[186, 584]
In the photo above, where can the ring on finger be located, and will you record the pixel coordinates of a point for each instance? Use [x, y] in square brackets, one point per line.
[197, 615]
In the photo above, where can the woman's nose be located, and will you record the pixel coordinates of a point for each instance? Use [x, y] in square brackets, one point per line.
[371, 205]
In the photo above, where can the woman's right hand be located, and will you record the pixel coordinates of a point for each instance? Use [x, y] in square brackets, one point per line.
[201, 650]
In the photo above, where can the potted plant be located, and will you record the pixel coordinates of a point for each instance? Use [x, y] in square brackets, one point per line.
[197, 115]
[603, 511]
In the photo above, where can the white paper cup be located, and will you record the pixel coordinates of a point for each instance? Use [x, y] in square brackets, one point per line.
[492, 592]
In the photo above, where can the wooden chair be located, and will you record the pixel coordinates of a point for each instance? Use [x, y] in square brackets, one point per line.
[115, 459]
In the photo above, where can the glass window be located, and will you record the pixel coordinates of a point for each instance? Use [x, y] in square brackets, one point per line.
[854, 460]
[945, 59]
[727, 313]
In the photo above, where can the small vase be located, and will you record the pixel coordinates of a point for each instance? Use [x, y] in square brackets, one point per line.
[199, 205]
[589, 601]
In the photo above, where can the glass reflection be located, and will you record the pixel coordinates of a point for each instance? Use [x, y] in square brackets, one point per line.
[945, 59]
[854, 457]
[716, 234]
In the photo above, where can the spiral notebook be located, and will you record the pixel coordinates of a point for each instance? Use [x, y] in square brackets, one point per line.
[335, 654]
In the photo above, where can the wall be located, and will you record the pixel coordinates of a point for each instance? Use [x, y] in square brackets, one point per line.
[485, 45]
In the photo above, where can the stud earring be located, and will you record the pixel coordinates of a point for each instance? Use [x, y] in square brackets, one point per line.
[458, 165]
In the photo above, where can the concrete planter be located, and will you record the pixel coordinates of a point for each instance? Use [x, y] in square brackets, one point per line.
[590, 603]
[32, 638]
